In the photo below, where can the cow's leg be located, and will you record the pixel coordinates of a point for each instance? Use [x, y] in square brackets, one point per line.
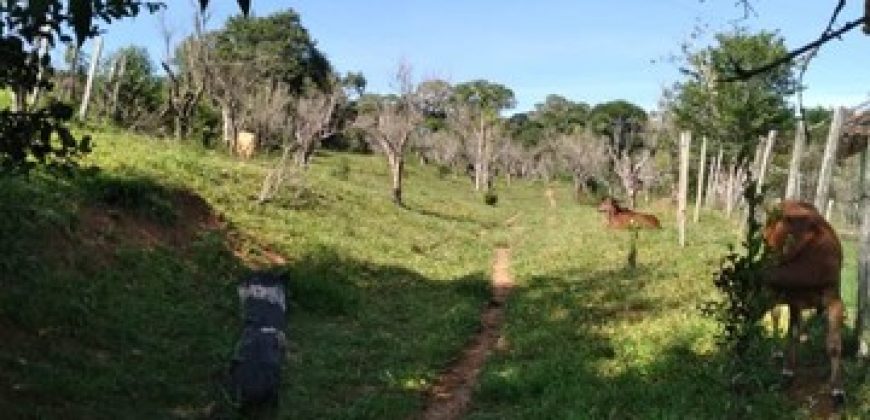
[834, 346]
[794, 331]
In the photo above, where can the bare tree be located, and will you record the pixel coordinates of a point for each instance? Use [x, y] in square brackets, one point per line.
[628, 168]
[585, 156]
[391, 123]
[544, 158]
[510, 158]
[314, 120]
[443, 147]
[474, 114]
[186, 69]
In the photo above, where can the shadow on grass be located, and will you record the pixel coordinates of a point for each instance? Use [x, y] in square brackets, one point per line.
[448, 217]
[110, 308]
[117, 298]
[592, 344]
[366, 338]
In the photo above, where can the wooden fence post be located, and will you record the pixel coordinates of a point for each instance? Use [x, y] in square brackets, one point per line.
[717, 174]
[685, 142]
[711, 179]
[702, 165]
[765, 159]
[829, 159]
[794, 168]
[729, 190]
[862, 319]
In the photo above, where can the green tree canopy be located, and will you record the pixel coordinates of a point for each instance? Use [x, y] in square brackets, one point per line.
[274, 48]
[561, 115]
[734, 113]
[621, 121]
[487, 97]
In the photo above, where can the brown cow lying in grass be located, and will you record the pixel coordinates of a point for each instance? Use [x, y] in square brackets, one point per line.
[622, 218]
[806, 275]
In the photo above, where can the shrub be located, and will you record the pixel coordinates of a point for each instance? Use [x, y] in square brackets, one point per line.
[490, 198]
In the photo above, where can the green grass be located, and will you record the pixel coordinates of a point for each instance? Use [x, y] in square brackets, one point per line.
[96, 323]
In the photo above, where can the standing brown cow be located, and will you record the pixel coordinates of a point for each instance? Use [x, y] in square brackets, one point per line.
[806, 275]
[621, 218]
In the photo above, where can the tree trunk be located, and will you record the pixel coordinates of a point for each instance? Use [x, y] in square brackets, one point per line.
[829, 159]
[862, 320]
[685, 142]
[74, 74]
[302, 156]
[119, 75]
[579, 187]
[178, 123]
[229, 127]
[89, 85]
[478, 165]
[702, 165]
[397, 167]
[794, 167]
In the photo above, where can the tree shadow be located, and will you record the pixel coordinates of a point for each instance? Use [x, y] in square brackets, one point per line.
[138, 311]
[121, 290]
[448, 217]
[366, 339]
[570, 354]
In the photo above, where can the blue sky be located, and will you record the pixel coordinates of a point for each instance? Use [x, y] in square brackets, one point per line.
[585, 50]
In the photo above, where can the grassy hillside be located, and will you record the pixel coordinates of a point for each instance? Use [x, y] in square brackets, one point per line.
[118, 293]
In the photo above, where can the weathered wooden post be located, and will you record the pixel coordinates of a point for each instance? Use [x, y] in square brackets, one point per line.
[729, 191]
[794, 167]
[829, 159]
[711, 178]
[829, 210]
[701, 166]
[862, 319]
[713, 193]
[685, 141]
[765, 159]
[89, 85]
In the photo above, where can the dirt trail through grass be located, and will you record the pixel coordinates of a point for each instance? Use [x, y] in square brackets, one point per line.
[450, 397]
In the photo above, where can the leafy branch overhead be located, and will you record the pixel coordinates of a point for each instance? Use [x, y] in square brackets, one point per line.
[738, 70]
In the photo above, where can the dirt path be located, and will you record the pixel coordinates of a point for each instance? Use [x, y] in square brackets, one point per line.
[450, 397]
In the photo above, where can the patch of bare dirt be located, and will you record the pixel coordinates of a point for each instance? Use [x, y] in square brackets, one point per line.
[101, 229]
[450, 397]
